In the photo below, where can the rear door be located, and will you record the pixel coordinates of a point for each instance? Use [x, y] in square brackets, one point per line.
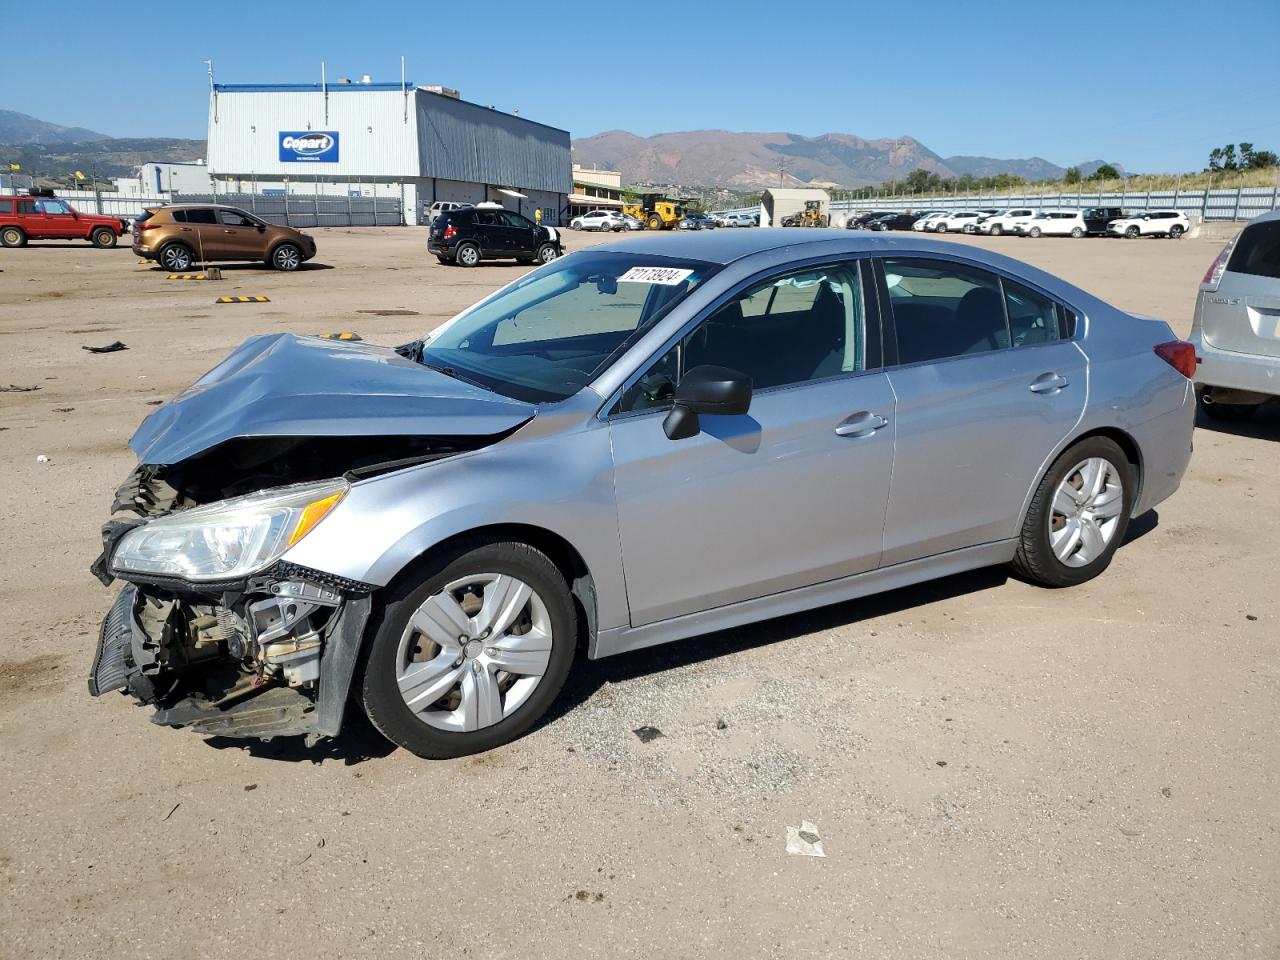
[987, 385]
[490, 233]
[1243, 314]
[202, 231]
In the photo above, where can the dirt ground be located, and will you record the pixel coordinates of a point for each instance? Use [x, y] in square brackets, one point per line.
[996, 770]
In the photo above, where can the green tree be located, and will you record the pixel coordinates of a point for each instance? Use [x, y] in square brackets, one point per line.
[1105, 172]
[1072, 175]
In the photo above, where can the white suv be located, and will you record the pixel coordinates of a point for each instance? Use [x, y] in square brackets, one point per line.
[1236, 331]
[1055, 223]
[926, 222]
[1151, 223]
[443, 206]
[1011, 221]
[957, 221]
[599, 220]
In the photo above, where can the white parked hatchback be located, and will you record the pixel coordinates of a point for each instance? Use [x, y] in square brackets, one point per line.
[1236, 331]
[1151, 223]
[957, 221]
[1055, 223]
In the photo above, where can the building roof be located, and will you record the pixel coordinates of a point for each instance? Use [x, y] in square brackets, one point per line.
[594, 201]
[307, 87]
[789, 193]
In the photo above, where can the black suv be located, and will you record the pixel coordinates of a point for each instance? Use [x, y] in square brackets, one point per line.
[1097, 218]
[488, 232]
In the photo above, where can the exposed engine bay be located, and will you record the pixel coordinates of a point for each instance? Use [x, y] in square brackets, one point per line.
[263, 656]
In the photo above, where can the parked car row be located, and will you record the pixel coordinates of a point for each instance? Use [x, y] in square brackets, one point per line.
[736, 219]
[1027, 222]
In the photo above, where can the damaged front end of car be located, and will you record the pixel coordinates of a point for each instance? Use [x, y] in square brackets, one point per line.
[215, 628]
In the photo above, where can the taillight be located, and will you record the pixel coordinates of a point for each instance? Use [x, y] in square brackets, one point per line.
[450, 231]
[148, 225]
[1213, 276]
[1180, 355]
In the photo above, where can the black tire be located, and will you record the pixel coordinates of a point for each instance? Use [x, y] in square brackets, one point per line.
[1227, 412]
[996, 230]
[655, 223]
[467, 255]
[379, 694]
[546, 253]
[1035, 559]
[1034, 232]
[1132, 233]
[13, 237]
[1176, 232]
[104, 238]
[176, 256]
[286, 257]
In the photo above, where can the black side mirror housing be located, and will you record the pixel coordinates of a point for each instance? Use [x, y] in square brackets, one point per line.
[713, 391]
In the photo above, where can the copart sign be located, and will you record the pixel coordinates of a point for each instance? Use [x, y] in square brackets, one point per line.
[308, 146]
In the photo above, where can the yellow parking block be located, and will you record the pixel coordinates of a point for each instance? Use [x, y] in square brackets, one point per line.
[242, 300]
[344, 335]
[186, 276]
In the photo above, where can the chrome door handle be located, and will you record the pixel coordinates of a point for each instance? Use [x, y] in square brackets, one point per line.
[1048, 383]
[861, 424]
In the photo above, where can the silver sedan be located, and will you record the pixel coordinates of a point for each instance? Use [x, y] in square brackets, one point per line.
[635, 444]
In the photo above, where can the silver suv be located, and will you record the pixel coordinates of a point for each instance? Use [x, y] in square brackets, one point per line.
[1237, 325]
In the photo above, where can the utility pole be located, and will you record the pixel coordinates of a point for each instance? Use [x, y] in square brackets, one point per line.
[782, 172]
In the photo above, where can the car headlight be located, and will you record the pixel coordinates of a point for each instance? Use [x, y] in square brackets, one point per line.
[229, 539]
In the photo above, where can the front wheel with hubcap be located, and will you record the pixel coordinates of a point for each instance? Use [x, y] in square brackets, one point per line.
[1131, 233]
[471, 656]
[1078, 515]
[1033, 232]
[467, 255]
[547, 253]
[13, 237]
[174, 256]
[103, 237]
[286, 257]
[996, 230]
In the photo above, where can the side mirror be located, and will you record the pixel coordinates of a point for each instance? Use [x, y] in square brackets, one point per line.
[714, 391]
[262, 228]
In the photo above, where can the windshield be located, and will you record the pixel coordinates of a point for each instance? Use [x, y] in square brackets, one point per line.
[551, 333]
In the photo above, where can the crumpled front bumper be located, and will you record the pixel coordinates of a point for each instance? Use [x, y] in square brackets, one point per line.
[216, 692]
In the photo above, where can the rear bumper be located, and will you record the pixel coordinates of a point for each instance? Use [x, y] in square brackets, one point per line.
[1235, 371]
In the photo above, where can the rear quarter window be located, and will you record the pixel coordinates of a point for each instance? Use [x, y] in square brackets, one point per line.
[1257, 252]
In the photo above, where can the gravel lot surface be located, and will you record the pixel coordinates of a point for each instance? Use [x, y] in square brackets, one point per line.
[995, 770]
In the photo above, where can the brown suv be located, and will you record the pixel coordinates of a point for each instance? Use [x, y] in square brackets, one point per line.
[184, 234]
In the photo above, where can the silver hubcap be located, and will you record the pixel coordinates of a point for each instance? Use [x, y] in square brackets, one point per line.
[1086, 512]
[468, 255]
[177, 259]
[287, 257]
[473, 653]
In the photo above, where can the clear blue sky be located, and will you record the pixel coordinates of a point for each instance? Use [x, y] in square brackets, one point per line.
[1152, 85]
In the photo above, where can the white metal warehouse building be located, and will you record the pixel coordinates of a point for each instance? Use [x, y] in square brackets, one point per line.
[421, 144]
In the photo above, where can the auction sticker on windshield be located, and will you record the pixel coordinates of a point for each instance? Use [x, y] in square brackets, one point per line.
[667, 276]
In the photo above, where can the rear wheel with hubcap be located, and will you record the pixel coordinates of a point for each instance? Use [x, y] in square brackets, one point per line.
[13, 237]
[467, 255]
[175, 256]
[1176, 232]
[472, 655]
[1078, 515]
[1077, 232]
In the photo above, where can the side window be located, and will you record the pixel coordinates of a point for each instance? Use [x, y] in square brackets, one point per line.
[943, 309]
[53, 208]
[233, 218]
[27, 208]
[485, 218]
[198, 215]
[1257, 252]
[1033, 318]
[515, 220]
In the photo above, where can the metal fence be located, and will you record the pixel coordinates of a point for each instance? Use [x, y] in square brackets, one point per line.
[1243, 203]
[309, 210]
[287, 209]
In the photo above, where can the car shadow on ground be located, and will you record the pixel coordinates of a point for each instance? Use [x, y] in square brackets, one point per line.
[360, 741]
[252, 265]
[1263, 425]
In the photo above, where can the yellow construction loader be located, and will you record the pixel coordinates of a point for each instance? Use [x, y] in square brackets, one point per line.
[656, 211]
[810, 216]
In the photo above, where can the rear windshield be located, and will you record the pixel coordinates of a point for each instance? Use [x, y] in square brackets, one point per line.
[144, 216]
[1257, 252]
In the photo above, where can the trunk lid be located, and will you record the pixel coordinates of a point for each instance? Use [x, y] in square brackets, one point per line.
[1243, 314]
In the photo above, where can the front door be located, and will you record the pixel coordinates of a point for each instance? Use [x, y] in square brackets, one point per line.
[59, 222]
[792, 493]
[238, 236]
[987, 386]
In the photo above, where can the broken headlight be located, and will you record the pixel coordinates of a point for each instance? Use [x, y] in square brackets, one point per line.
[230, 539]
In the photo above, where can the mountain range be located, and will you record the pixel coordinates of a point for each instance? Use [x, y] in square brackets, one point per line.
[745, 161]
[20, 128]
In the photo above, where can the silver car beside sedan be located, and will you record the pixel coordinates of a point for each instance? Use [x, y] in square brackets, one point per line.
[636, 444]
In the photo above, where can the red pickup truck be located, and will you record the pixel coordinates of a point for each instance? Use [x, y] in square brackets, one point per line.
[48, 218]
